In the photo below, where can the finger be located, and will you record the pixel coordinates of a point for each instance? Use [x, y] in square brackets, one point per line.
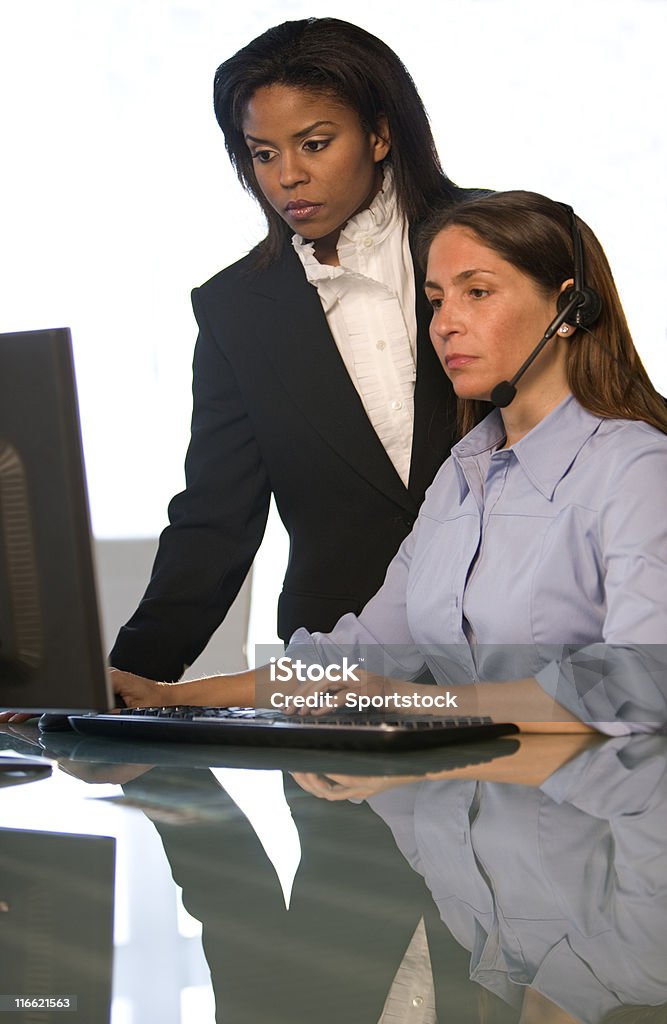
[323, 697]
[337, 698]
[132, 701]
[307, 781]
[318, 785]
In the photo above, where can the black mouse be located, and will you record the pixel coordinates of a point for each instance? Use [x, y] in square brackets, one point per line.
[50, 722]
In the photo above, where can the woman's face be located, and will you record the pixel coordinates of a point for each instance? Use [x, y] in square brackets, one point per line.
[313, 161]
[487, 318]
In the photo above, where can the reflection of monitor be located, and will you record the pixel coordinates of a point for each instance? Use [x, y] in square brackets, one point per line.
[57, 939]
[50, 644]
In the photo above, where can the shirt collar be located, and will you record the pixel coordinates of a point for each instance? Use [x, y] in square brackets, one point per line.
[375, 222]
[545, 453]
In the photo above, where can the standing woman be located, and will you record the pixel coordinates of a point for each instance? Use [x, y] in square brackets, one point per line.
[314, 376]
[314, 380]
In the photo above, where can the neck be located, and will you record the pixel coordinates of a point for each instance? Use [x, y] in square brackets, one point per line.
[540, 390]
[326, 249]
[527, 410]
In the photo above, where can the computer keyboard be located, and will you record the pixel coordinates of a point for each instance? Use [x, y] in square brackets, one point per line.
[268, 727]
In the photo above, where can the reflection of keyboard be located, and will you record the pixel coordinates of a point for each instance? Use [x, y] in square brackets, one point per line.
[266, 727]
[101, 750]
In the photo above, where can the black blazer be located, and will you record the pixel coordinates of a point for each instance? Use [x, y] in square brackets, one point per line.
[275, 411]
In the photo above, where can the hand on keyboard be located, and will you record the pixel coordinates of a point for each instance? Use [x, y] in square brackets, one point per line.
[138, 692]
[366, 694]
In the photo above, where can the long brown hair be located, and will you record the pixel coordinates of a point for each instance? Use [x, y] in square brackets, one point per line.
[604, 371]
[326, 55]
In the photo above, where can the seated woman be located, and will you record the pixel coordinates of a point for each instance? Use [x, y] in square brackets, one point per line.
[537, 568]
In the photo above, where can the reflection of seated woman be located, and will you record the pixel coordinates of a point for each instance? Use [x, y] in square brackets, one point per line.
[546, 527]
[580, 930]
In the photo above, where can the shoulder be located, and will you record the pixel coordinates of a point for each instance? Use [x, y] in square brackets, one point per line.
[625, 472]
[241, 270]
[245, 301]
[245, 277]
[624, 441]
[614, 453]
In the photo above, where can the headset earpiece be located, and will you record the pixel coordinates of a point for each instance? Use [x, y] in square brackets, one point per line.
[586, 312]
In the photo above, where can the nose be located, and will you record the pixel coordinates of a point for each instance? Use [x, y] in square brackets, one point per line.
[446, 320]
[292, 170]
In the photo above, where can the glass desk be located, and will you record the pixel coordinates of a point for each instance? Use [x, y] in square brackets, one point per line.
[166, 884]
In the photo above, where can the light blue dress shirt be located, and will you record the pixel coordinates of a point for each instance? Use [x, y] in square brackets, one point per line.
[546, 559]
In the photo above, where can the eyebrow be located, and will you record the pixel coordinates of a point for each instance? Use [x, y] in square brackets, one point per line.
[463, 276]
[297, 135]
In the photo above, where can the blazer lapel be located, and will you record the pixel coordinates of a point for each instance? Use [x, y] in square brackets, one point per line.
[295, 336]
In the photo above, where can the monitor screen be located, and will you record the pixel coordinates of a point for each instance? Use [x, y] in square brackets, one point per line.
[50, 643]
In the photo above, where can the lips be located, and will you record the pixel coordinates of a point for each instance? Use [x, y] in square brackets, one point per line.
[302, 209]
[457, 360]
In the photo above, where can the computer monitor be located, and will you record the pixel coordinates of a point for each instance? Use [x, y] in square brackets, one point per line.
[50, 643]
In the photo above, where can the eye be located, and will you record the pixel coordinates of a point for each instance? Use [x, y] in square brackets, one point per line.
[315, 145]
[478, 293]
[435, 302]
[263, 156]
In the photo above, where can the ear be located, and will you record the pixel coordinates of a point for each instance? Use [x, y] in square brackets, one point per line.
[381, 139]
[565, 329]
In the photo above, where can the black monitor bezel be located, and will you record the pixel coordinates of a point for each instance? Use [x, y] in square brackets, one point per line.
[39, 418]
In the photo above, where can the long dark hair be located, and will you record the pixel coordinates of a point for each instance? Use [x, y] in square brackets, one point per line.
[342, 60]
[605, 373]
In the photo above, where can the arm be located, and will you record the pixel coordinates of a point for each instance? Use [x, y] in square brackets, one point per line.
[216, 525]
[234, 690]
[247, 689]
[534, 761]
[621, 682]
[251, 688]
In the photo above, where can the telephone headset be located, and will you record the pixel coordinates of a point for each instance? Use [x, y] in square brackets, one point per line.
[578, 306]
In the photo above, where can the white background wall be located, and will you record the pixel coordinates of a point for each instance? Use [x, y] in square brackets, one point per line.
[117, 196]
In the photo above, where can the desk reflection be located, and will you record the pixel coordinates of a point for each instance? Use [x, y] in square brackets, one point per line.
[540, 876]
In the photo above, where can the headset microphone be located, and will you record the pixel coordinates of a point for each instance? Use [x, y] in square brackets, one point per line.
[578, 306]
[503, 393]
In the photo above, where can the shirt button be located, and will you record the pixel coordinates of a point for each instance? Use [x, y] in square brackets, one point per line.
[418, 1001]
[396, 405]
[368, 242]
[381, 345]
